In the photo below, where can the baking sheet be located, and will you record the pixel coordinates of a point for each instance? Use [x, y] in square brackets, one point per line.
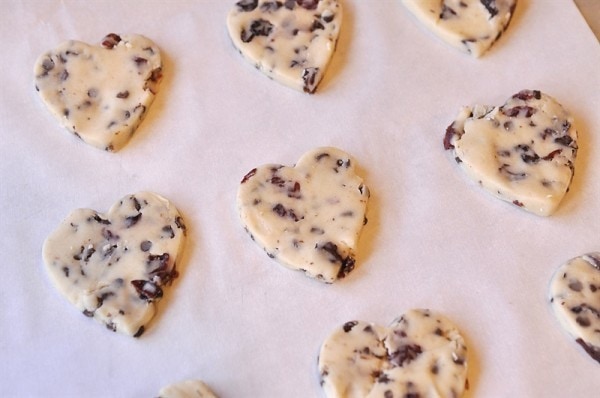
[235, 318]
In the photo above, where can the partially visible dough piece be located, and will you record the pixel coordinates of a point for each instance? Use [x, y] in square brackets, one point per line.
[472, 26]
[522, 152]
[421, 354]
[100, 93]
[575, 299]
[290, 41]
[113, 267]
[187, 389]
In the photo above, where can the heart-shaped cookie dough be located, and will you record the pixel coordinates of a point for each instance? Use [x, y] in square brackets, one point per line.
[114, 266]
[291, 41]
[307, 217]
[575, 299]
[522, 152]
[472, 26]
[421, 354]
[100, 93]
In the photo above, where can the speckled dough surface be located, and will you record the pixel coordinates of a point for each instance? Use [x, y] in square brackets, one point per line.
[575, 299]
[100, 93]
[187, 389]
[113, 267]
[471, 26]
[291, 41]
[307, 217]
[421, 354]
[522, 152]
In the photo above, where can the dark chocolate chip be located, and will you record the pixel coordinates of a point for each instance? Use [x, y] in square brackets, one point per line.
[317, 25]
[123, 94]
[47, 65]
[145, 245]
[139, 61]
[321, 156]
[247, 5]
[250, 174]
[147, 290]
[259, 27]
[447, 12]
[525, 111]
[180, 224]
[169, 231]
[592, 350]
[583, 321]
[405, 354]
[510, 174]
[140, 331]
[308, 4]
[576, 286]
[309, 76]
[328, 18]
[270, 6]
[527, 94]
[110, 40]
[565, 140]
[349, 325]
[132, 220]
[136, 203]
[451, 132]
[490, 6]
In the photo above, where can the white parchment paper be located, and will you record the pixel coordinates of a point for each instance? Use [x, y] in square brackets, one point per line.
[235, 318]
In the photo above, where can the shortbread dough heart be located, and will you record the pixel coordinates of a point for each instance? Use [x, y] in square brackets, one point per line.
[291, 41]
[522, 152]
[307, 217]
[187, 389]
[575, 299]
[421, 354]
[472, 26]
[100, 93]
[114, 267]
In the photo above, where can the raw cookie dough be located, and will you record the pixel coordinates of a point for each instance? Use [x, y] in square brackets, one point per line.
[472, 26]
[187, 389]
[522, 152]
[307, 217]
[113, 267]
[575, 299]
[100, 93]
[421, 355]
[291, 41]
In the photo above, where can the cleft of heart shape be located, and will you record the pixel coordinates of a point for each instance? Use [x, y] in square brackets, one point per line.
[307, 217]
[522, 152]
[290, 41]
[114, 267]
[421, 354]
[100, 93]
[472, 26]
